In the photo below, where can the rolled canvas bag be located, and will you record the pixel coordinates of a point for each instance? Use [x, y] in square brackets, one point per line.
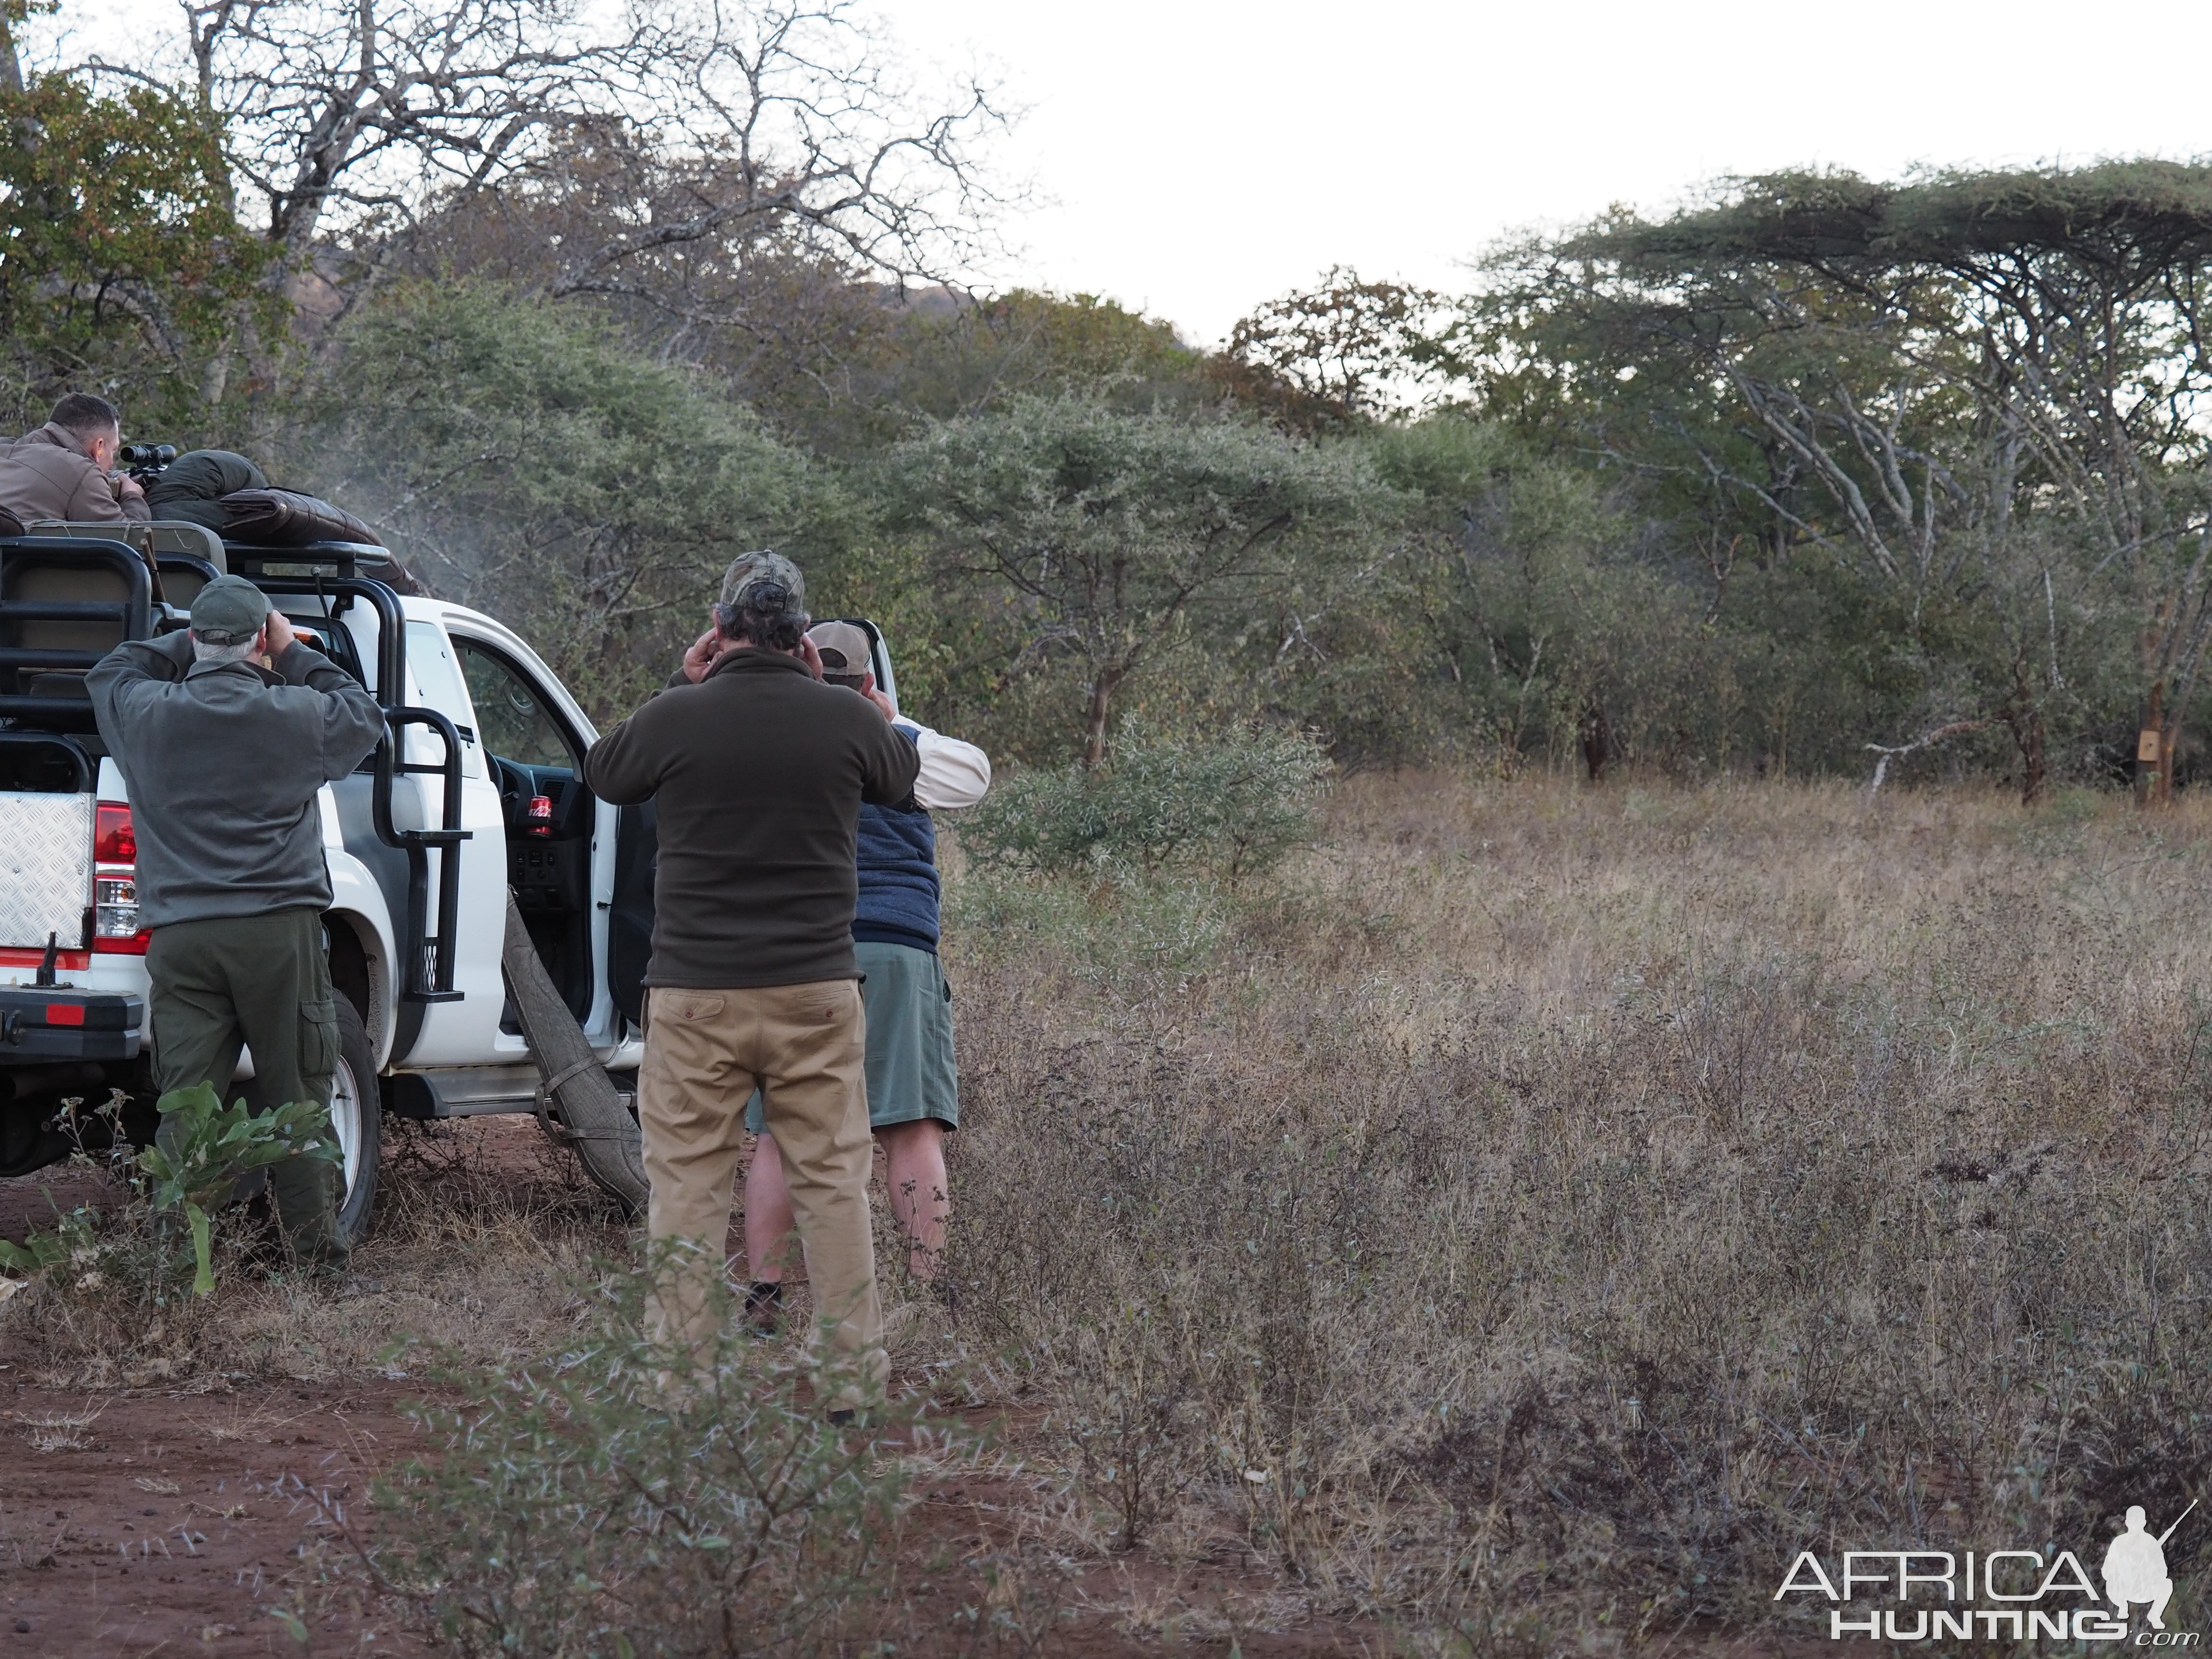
[284, 518]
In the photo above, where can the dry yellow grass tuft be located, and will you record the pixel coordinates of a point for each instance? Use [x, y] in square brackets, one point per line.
[1580, 1200]
[58, 1431]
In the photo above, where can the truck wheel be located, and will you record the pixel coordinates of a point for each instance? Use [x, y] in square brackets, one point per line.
[357, 1120]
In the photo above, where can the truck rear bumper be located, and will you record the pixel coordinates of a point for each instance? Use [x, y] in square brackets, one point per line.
[39, 1024]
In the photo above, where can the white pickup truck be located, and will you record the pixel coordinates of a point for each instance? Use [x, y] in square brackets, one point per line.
[477, 788]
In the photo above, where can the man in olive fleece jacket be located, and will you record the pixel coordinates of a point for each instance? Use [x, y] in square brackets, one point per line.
[757, 770]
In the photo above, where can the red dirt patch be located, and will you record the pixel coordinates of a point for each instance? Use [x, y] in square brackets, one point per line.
[173, 1520]
[37, 1201]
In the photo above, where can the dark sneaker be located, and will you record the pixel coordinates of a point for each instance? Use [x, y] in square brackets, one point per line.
[764, 1306]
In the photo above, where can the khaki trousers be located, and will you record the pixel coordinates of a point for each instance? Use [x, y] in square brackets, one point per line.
[803, 1047]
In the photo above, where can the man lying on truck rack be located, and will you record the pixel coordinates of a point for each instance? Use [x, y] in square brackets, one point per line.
[223, 757]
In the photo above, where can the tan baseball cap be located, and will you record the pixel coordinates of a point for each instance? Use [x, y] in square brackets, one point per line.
[844, 648]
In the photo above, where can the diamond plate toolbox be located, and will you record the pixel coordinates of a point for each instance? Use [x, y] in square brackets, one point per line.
[45, 868]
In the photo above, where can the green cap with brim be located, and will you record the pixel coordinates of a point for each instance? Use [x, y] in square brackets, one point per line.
[228, 610]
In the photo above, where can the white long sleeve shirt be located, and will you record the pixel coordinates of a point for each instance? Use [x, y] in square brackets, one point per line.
[953, 773]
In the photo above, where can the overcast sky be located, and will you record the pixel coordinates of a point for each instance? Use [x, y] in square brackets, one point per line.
[1204, 155]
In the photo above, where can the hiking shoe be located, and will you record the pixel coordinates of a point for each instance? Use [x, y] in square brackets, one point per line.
[764, 1306]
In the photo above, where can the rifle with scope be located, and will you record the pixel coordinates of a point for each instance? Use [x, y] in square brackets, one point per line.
[145, 461]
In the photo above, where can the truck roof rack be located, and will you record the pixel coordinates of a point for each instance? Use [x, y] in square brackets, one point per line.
[65, 601]
[326, 560]
[311, 559]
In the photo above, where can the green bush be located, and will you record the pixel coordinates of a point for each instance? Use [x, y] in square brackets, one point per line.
[214, 1145]
[1231, 807]
[211, 1147]
[617, 1499]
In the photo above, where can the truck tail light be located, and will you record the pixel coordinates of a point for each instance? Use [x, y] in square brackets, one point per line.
[115, 928]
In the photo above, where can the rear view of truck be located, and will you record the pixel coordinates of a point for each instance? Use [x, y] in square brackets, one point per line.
[72, 970]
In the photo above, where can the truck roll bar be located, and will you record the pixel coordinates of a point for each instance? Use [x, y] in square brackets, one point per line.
[391, 623]
[430, 965]
[429, 956]
[129, 614]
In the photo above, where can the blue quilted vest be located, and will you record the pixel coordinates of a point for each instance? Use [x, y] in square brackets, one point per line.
[899, 885]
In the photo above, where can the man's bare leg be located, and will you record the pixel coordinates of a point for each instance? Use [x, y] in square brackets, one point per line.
[914, 1158]
[770, 1225]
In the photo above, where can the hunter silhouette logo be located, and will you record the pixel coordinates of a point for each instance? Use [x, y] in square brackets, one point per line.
[2135, 1567]
[2000, 1595]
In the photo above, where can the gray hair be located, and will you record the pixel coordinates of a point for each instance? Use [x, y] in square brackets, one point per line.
[242, 651]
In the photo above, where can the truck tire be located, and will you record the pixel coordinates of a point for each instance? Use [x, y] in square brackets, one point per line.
[357, 1120]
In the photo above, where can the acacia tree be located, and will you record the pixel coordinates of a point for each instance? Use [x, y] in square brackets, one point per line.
[718, 126]
[1329, 357]
[1111, 527]
[650, 152]
[1985, 392]
[533, 467]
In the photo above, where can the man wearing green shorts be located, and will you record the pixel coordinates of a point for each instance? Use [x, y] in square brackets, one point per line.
[913, 1087]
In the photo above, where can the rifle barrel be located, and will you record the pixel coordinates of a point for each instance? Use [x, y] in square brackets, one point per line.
[2178, 1520]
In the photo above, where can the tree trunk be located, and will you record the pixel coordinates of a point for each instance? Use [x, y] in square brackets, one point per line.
[1597, 743]
[11, 65]
[1103, 686]
[2023, 718]
[2154, 752]
[2029, 736]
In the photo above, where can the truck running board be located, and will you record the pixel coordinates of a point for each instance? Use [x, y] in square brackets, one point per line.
[462, 1091]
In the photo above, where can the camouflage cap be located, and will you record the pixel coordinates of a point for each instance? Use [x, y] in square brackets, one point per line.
[749, 568]
[228, 610]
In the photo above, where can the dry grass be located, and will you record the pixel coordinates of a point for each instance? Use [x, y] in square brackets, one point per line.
[1527, 1226]
[1580, 1200]
[58, 1431]
[487, 1245]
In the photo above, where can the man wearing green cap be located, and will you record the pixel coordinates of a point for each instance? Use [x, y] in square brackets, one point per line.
[225, 734]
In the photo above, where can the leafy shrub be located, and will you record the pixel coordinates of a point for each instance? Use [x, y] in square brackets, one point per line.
[211, 1147]
[1233, 807]
[618, 1499]
[214, 1145]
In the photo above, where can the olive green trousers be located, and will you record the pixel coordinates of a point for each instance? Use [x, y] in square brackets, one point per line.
[261, 982]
